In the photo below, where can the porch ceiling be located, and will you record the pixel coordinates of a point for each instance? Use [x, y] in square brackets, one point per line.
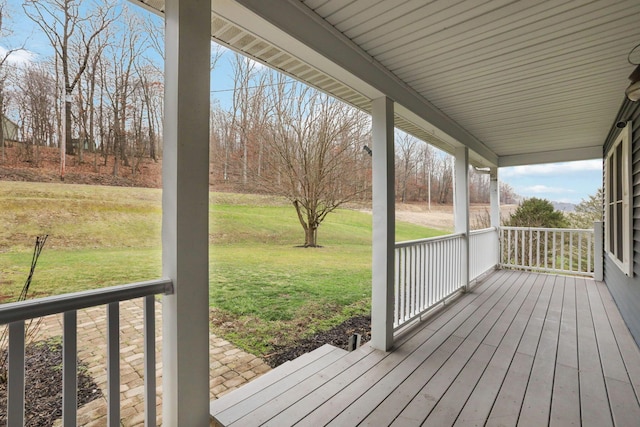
[516, 81]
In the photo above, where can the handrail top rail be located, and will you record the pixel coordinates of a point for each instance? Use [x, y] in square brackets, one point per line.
[428, 240]
[33, 308]
[482, 230]
[581, 230]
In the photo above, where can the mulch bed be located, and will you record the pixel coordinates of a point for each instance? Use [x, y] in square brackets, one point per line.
[43, 383]
[337, 336]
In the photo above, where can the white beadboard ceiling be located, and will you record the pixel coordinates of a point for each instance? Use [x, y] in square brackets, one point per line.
[517, 81]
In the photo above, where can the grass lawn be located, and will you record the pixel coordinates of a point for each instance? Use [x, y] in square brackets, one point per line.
[263, 290]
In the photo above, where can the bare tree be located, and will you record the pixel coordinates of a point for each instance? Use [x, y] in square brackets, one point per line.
[152, 88]
[65, 26]
[119, 84]
[444, 173]
[244, 71]
[37, 103]
[312, 140]
[221, 143]
[407, 150]
[4, 73]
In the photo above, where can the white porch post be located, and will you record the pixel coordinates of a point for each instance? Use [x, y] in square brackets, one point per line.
[383, 224]
[461, 206]
[185, 203]
[494, 197]
[494, 201]
[598, 251]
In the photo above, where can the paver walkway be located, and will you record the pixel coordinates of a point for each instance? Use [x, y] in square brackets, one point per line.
[229, 366]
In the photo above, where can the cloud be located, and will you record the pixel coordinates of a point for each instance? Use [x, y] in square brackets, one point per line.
[541, 189]
[552, 168]
[19, 57]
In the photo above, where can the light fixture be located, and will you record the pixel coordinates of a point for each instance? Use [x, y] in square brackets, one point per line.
[633, 91]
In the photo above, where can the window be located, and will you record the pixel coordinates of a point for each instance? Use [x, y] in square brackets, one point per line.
[618, 240]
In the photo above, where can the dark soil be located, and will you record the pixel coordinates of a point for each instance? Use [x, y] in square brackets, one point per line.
[43, 383]
[337, 336]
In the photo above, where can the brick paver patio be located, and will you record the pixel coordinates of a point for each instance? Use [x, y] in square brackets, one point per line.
[230, 367]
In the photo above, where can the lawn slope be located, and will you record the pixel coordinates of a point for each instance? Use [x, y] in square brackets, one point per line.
[264, 290]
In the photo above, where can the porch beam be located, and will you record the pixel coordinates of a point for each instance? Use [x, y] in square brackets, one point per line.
[383, 224]
[185, 203]
[461, 206]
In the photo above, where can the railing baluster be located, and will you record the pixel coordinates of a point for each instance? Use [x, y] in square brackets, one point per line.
[570, 251]
[423, 276]
[501, 245]
[405, 279]
[423, 280]
[538, 248]
[546, 249]
[530, 247]
[150, 361]
[522, 246]
[15, 386]
[441, 273]
[580, 252]
[113, 364]
[554, 250]
[514, 262]
[70, 369]
[562, 250]
[396, 289]
[589, 253]
[414, 278]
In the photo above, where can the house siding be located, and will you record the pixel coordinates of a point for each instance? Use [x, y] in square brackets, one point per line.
[624, 289]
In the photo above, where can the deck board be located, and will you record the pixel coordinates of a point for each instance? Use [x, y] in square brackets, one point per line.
[519, 349]
[479, 404]
[594, 407]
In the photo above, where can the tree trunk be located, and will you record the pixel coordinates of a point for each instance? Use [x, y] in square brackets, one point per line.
[310, 229]
[67, 124]
[2, 122]
[311, 237]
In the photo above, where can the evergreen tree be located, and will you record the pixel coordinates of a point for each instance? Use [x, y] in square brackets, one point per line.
[536, 212]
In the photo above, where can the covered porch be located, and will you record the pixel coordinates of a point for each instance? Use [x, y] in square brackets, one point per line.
[519, 348]
[497, 84]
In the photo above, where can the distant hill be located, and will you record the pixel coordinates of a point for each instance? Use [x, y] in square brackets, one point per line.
[564, 207]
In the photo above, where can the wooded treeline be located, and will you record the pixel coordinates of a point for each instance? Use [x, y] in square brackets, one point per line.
[101, 90]
[248, 148]
[99, 96]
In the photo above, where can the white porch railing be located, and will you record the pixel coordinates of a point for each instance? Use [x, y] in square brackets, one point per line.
[484, 248]
[555, 250]
[15, 314]
[428, 271]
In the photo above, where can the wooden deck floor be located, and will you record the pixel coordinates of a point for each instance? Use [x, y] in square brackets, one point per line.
[520, 349]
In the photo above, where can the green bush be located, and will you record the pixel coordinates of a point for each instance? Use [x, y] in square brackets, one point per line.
[536, 212]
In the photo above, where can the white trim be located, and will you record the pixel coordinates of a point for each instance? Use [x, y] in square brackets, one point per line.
[626, 263]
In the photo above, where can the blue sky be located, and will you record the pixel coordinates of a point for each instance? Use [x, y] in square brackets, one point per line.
[560, 182]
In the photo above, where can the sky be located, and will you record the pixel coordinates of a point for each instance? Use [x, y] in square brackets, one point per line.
[560, 182]
[568, 182]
